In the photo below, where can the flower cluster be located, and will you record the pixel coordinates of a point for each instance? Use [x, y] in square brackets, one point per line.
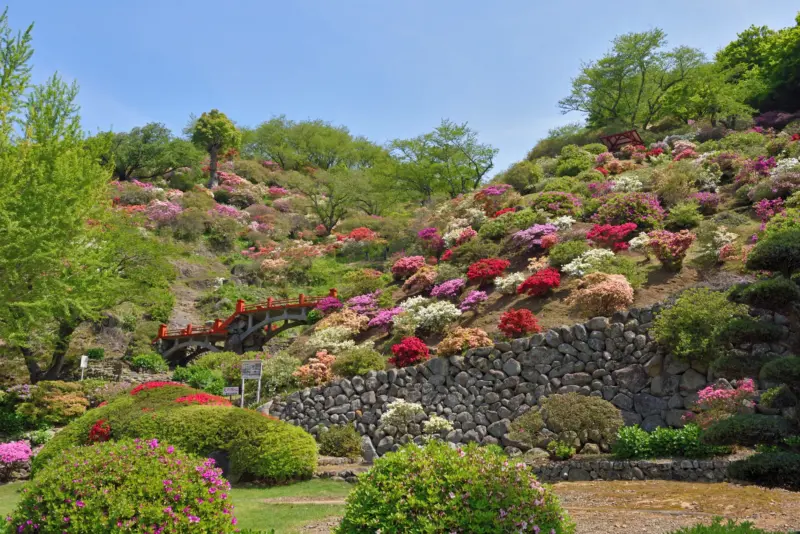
[154, 385]
[516, 323]
[436, 316]
[715, 403]
[225, 210]
[317, 371]
[602, 294]
[335, 339]
[611, 236]
[600, 189]
[708, 202]
[277, 192]
[400, 413]
[643, 209]
[422, 280]
[204, 399]
[347, 318]
[366, 304]
[540, 283]
[492, 191]
[487, 269]
[162, 211]
[362, 234]
[409, 351]
[406, 266]
[503, 212]
[562, 223]
[767, 209]
[329, 304]
[507, 285]
[436, 425]
[627, 184]
[587, 261]
[604, 158]
[473, 300]
[671, 247]
[449, 289]
[100, 431]
[255, 253]
[384, 318]
[460, 339]
[14, 452]
[532, 237]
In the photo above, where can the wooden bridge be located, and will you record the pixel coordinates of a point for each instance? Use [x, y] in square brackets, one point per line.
[247, 329]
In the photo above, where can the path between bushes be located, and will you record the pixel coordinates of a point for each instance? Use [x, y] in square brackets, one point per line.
[651, 507]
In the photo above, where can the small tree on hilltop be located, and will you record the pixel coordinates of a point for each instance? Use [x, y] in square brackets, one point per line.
[214, 132]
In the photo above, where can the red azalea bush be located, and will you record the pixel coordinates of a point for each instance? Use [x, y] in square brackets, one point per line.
[670, 247]
[447, 254]
[409, 351]
[503, 212]
[100, 431]
[610, 235]
[205, 399]
[540, 283]
[362, 234]
[487, 269]
[405, 267]
[516, 323]
[155, 385]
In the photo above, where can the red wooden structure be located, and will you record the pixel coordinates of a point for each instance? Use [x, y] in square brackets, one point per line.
[618, 140]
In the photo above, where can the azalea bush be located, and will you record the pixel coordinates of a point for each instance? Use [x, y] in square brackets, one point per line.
[317, 371]
[473, 300]
[486, 270]
[329, 304]
[611, 236]
[507, 285]
[540, 283]
[469, 489]
[535, 236]
[557, 203]
[420, 281]
[601, 294]
[516, 323]
[15, 452]
[715, 403]
[460, 339]
[346, 318]
[642, 209]
[670, 247]
[335, 339]
[385, 318]
[134, 485]
[405, 267]
[410, 351]
[203, 399]
[708, 202]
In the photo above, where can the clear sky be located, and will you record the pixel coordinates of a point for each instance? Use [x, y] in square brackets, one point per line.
[385, 69]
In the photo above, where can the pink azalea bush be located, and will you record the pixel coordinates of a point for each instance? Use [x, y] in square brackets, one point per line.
[225, 210]
[15, 452]
[670, 247]
[601, 294]
[767, 209]
[317, 371]
[473, 300]
[366, 304]
[708, 202]
[449, 289]
[422, 280]
[643, 209]
[405, 267]
[532, 237]
[329, 304]
[715, 403]
[385, 318]
[162, 211]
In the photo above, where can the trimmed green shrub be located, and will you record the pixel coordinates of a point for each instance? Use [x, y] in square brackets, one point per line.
[97, 353]
[474, 250]
[778, 397]
[340, 441]
[747, 144]
[581, 414]
[683, 216]
[632, 442]
[718, 527]
[523, 176]
[133, 476]
[560, 450]
[623, 265]
[749, 430]
[200, 378]
[496, 228]
[563, 253]
[447, 271]
[258, 446]
[772, 293]
[664, 442]
[783, 370]
[152, 362]
[358, 361]
[691, 329]
[748, 330]
[788, 219]
[771, 469]
[595, 148]
[737, 364]
[525, 218]
[779, 252]
[573, 160]
[439, 489]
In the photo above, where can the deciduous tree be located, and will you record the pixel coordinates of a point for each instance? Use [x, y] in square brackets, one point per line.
[214, 132]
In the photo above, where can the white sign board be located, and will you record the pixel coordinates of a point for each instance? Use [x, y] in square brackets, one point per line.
[230, 392]
[84, 362]
[251, 370]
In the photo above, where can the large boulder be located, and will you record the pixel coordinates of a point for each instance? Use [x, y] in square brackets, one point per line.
[633, 378]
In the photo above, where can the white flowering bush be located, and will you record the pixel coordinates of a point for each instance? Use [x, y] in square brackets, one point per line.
[507, 285]
[335, 340]
[436, 424]
[708, 181]
[563, 223]
[437, 316]
[640, 242]
[717, 246]
[586, 261]
[629, 183]
[785, 165]
[401, 413]
[451, 237]
[475, 217]
[405, 324]
[414, 303]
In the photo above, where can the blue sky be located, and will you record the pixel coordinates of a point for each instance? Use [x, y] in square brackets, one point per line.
[384, 69]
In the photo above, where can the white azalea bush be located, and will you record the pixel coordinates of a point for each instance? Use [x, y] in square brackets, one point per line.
[400, 413]
[335, 340]
[507, 285]
[587, 261]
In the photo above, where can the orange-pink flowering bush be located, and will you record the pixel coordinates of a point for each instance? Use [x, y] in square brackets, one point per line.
[317, 371]
[420, 281]
[602, 294]
[346, 318]
[460, 339]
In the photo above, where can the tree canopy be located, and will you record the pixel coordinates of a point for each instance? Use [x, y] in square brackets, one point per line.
[214, 132]
[149, 151]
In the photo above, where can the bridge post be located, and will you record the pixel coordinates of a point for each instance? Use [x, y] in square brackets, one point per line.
[269, 302]
[333, 293]
[302, 299]
[240, 306]
[217, 325]
[162, 331]
[189, 329]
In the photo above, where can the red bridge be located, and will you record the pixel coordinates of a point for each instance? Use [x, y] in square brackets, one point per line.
[247, 329]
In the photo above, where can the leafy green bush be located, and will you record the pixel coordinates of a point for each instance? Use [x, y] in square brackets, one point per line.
[53, 403]
[439, 489]
[525, 218]
[632, 442]
[496, 228]
[226, 362]
[97, 353]
[747, 144]
[560, 450]
[200, 378]
[277, 374]
[595, 148]
[190, 224]
[258, 446]
[778, 397]
[568, 184]
[358, 361]
[778, 252]
[474, 250]
[11, 423]
[676, 181]
[691, 329]
[340, 441]
[448, 271]
[133, 477]
[771, 293]
[772, 469]
[748, 330]
[152, 362]
[573, 160]
[718, 527]
[581, 414]
[663, 442]
[683, 216]
[623, 265]
[749, 430]
[563, 253]
[523, 176]
[222, 232]
[783, 370]
[740, 364]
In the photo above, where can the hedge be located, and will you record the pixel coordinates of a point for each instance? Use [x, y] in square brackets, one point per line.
[771, 469]
[749, 430]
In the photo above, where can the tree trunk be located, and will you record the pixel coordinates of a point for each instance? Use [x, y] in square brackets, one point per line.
[212, 168]
[53, 372]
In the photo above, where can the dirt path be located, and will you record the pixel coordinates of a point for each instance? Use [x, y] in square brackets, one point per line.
[192, 282]
[649, 507]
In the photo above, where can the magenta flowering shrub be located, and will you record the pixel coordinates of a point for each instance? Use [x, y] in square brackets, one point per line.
[716, 403]
[15, 452]
[643, 209]
[532, 237]
[366, 304]
[708, 202]
[495, 190]
[384, 319]
[162, 211]
[557, 203]
[767, 209]
[670, 247]
[600, 189]
[405, 267]
[130, 486]
[329, 304]
[428, 233]
[228, 211]
[449, 289]
[473, 300]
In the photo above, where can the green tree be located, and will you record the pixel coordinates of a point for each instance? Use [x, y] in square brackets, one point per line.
[330, 194]
[214, 132]
[150, 151]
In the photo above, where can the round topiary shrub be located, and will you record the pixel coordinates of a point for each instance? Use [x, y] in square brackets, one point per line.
[771, 469]
[340, 441]
[785, 370]
[129, 485]
[592, 418]
[779, 252]
[771, 293]
[439, 489]
[358, 361]
[749, 430]
[563, 253]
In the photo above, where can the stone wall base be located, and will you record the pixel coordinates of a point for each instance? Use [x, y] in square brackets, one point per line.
[605, 468]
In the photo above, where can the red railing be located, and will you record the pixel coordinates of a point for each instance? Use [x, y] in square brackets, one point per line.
[220, 327]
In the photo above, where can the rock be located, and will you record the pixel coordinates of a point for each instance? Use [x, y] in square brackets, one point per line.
[654, 365]
[368, 452]
[385, 445]
[674, 418]
[652, 422]
[576, 379]
[509, 442]
[646, 404]
[438, 366]
[633, 378]
[692, 381]
[665, 385]
[462, 378]
[631, 418]
[597, 323]
[675, 366]
[623, 402]
[512, 367]
[590, 448]
[577, 474]
[536, 454]
[552, 338]
[499, 428]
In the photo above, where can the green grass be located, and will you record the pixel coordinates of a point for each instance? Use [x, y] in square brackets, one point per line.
[250, 509]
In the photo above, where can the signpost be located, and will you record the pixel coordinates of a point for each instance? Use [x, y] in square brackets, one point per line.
[251, 370]
[230, 392]
[84, 365]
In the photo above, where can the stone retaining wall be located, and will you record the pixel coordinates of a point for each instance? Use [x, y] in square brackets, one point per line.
[487, 388]
[581, 469]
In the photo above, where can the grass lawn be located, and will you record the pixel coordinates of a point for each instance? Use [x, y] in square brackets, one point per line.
[250, 510]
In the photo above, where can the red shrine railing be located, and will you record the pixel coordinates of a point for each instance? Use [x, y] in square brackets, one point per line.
[220, 327]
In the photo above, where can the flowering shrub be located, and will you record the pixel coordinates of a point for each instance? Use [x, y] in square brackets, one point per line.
[225, 210]
[460, 339]
[708, 202]
[503, 212]
[716, 403]
[557, 203]
[643, 209]
[449, 289]
[127, 485]
[540, 283]
[317, 371]
[329, 304]
[471, 489]
[604, 158]
[602, 294]
[587, 261]
[549, 241]
[154, 385]
[684, 154]
[15, 452]
[420, 281]
[507, 285]
[435, 317]
[518, 322]
[409, 351]
[277, 192]
[465, 235]
[384, 318]
[600, 189]
[627, 184]
[400, 413]
[436, 425]
[670, 247]
[347, 318]
[162, 211]
[405, 267]
[362, 234]
[473, 300]
[366, 304]
[283, 205]
[562, 223]
[487, 269]
[100, 432]
[532, 237]
[204, 399]
[611, 236]
[767, 209]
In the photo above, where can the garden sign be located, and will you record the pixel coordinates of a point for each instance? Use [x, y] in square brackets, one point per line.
[251, 370]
